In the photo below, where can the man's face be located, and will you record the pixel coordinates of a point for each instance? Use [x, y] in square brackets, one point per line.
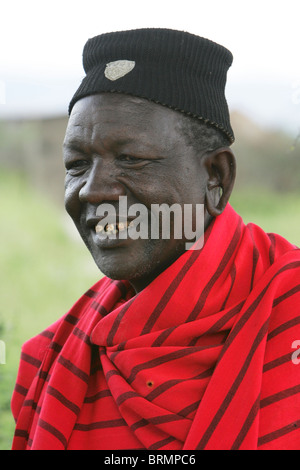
[117, 145]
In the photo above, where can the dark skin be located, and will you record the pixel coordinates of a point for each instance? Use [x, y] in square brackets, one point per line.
[118, 145]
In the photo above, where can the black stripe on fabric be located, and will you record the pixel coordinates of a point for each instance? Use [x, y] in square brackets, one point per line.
[162, 443]
[178, 354]
[225, 318]
[189, 409]
[169, 418]
[55, 346]
[163, 387]
[30, 360]
[126, 396]
[71, 319]
[247, 314]
[278, 433]
[31, 403]
[255, 256]
[73, 369]
[122, 288]
[272, 247]
[286, 295]
[99, 308]
[20, 389]
[169, 293]
[139, 424]
[121, 346]
[47, 334]
[174, 285]
[238, 380]
[112, 423]
[223, 263]
[247, 425]
[117, 322]
[232, 275]
[21, 433]
[173, 382]
[111, 373]
[283, 327]
[163, 336]
[91, 293]
[63, 400]
[44, 375]
[52, 430]
[255, 259]
[262, 404]
[216, 327]
[98, 396]
[277, 362]
[288, 392]
[81, 335]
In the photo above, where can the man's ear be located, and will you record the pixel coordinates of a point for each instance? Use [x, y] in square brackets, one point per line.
[221, 169]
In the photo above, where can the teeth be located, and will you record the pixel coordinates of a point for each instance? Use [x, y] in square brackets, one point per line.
[113, 228]
[99, 228]
[122, 226]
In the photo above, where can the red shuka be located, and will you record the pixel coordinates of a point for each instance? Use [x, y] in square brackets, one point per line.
[203, 358]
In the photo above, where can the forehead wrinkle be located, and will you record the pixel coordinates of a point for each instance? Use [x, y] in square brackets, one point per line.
[105, 121]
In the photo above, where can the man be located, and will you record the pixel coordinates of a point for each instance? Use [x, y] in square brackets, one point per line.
[187, 342]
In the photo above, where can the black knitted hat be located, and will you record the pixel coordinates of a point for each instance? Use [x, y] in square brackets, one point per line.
[173, 68]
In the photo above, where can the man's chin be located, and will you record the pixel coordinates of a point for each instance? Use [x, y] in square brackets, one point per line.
[139, 276]
[139, 262]
[119, 273]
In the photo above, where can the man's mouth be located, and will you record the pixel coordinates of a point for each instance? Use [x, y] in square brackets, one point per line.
[112, 228]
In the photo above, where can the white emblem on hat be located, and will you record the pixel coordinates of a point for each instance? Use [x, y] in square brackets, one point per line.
[118, 69]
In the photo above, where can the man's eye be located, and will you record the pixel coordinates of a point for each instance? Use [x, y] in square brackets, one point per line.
[128, 158]
[76, 166]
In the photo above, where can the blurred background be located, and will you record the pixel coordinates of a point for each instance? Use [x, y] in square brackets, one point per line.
[44, 265]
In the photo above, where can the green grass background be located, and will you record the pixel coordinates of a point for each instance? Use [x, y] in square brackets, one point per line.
[44, 270]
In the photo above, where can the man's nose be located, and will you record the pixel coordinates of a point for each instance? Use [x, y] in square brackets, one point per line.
[101, 184]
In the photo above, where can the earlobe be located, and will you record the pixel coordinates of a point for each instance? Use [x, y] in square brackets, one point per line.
[221, 169]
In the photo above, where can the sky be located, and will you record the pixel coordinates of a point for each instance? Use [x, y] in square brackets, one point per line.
[41, 46]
